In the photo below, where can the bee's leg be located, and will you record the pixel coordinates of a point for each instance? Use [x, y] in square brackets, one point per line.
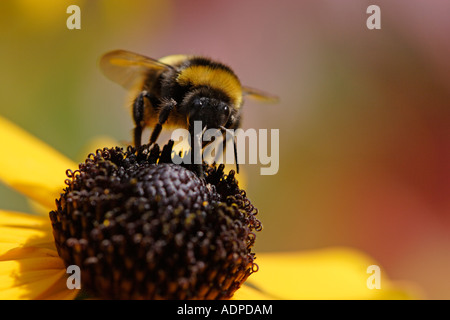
[195, 141]
[138, 117]
[166, 107]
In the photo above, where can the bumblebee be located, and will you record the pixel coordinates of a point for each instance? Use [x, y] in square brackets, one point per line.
[177, 90]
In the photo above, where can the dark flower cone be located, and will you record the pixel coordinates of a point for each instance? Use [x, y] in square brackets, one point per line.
[140, 227]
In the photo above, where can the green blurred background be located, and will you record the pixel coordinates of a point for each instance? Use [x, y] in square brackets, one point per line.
[364, 116]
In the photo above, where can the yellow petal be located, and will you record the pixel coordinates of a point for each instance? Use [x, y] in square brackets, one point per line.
[24, 230]
[335, 273]
[30, 166]
[24, 220]
[30, 267]
[59, 290]
[31, 284]
[29, 272]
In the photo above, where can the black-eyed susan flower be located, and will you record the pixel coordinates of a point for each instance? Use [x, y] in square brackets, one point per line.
[141, 230]
[138, 229]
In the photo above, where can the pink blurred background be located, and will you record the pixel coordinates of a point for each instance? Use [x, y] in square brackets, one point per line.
[364, 117]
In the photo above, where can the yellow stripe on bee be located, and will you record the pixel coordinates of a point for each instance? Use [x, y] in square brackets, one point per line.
[214, 78]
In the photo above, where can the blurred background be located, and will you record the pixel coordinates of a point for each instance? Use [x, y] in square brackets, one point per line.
[364, 117]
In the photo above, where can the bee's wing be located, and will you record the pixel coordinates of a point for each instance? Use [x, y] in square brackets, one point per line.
[127, 68]
[259, 95]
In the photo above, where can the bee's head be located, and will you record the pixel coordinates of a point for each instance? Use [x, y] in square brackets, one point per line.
[212, 109]
[213, 113]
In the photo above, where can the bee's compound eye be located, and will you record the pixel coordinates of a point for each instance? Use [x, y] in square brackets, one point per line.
[226, 110]
[223, 113]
